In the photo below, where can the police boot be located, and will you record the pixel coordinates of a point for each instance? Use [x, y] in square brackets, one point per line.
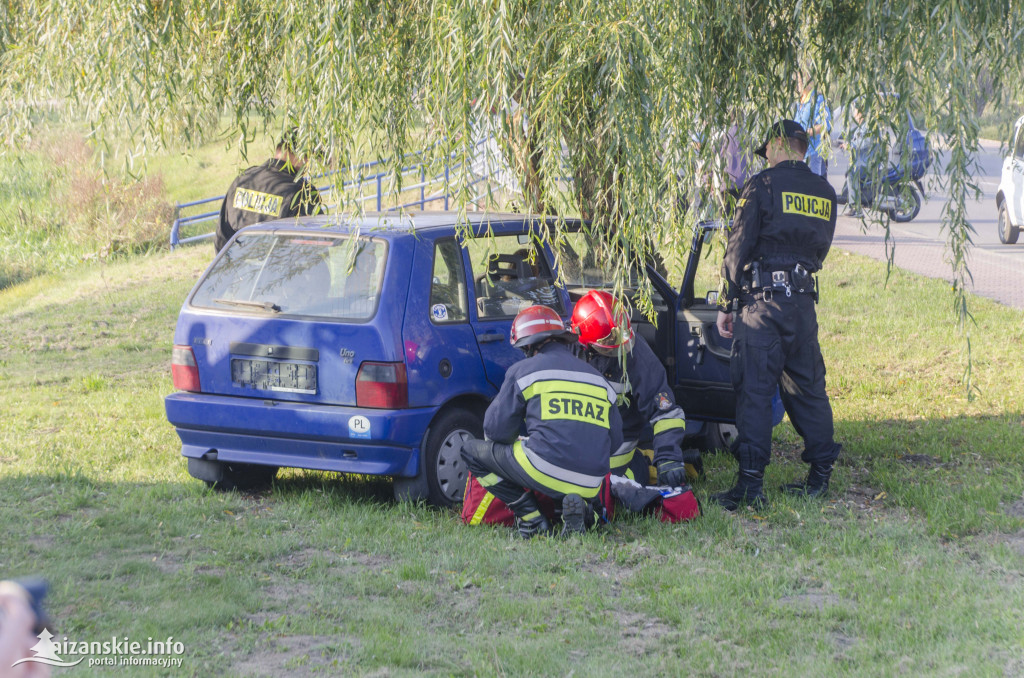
[748, 491]
[529, 519]
[816, 484]
[574, 515]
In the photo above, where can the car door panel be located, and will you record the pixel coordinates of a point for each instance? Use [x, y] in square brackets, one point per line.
[703, 383]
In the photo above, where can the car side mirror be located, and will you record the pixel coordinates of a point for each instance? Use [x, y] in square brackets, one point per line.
[711, 298]
[524, 238]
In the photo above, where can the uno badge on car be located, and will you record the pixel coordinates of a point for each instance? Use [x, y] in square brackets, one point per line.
[359, 427]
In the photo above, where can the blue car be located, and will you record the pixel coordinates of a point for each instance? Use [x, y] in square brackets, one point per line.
[373, 345]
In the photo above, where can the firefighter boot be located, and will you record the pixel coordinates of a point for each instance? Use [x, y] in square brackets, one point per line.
[816, 484]
[748, 491]
[574, 515]
[529, 519]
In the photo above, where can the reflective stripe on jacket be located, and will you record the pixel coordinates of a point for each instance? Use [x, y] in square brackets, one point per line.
[646, 399]
[571, 421]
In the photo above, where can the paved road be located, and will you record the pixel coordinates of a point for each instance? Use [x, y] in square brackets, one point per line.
[998, 269]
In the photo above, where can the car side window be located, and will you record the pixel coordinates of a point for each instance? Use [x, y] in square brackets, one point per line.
[1018, 149]
[448, 284]
[510, 275]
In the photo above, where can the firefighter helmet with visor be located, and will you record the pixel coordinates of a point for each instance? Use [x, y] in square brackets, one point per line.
[534, 324]
[601, 322]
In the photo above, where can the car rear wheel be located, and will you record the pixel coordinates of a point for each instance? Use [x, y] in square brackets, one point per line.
[445, 469]
[1007, 231]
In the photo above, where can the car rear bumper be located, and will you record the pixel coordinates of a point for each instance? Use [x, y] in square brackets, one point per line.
[300, 435]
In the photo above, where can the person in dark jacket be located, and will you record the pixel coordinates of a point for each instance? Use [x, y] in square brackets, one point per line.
[571, 422]
[783, 229]
[269, 191]
[644, 397]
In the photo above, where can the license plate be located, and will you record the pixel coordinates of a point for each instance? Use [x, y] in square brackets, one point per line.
[270, 375]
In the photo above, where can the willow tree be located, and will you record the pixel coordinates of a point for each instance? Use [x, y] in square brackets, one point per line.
[623, 97]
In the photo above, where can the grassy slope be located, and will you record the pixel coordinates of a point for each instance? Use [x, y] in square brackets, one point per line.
[913, 566]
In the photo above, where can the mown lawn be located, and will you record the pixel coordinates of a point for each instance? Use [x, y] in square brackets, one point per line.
[914, 566]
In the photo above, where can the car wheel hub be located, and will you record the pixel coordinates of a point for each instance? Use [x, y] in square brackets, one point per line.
[451, 469]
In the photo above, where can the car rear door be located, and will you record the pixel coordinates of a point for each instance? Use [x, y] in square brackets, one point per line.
[440, 344]
[702, 380]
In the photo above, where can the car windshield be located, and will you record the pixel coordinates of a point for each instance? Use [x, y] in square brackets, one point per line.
[297, 274]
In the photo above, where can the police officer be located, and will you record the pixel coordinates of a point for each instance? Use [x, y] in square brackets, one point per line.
[571, 427]
[783, 229]
[269, 191]
[643, 393]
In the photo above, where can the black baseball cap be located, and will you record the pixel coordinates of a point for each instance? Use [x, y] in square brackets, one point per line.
[783, 128]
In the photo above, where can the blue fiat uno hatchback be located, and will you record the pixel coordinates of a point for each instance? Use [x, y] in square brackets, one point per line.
[373, 345]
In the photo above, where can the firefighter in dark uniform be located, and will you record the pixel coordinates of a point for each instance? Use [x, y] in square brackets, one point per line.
[783, 229]
[269, 191]
[644, 397]
[571, 425]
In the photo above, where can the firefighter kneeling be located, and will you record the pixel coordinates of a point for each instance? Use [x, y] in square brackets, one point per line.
[645, 398]
[571, 421]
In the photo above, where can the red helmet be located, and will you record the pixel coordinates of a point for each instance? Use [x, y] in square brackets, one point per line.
[600, 320]
[535, 324]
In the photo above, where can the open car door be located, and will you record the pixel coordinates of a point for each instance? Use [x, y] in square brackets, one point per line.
[702, 383]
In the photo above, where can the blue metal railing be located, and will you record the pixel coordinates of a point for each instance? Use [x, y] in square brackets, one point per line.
[376, 180]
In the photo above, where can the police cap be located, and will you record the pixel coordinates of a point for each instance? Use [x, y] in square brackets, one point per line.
[782, 129]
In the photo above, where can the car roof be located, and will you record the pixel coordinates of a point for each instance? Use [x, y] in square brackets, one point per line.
[393, 224]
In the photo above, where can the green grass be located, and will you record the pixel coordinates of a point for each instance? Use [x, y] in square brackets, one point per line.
[57, 210]
[913, 566]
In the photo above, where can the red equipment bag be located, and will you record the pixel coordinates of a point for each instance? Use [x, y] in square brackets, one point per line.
[670, 504]
[480, 507]
[679, 505]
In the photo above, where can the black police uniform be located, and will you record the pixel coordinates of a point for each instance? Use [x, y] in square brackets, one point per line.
[572, 425]
[644, 399]
[785, 221]
[262, 193]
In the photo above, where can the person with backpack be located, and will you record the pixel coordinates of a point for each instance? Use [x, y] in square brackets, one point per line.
[643, 394]
[572, 425]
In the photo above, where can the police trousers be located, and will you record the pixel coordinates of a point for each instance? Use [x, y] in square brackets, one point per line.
[776, 344]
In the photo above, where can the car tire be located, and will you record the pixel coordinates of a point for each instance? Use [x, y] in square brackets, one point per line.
[908, 205]
[446, 472]
[719, 437]
[227, 476]
[1008, 233]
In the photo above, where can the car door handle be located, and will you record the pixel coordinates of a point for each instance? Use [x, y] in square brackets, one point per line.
[490, 337]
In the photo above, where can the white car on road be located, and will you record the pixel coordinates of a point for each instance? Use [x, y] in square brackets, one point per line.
[1010, 195]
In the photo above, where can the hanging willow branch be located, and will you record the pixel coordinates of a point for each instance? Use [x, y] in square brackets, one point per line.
[600, 108]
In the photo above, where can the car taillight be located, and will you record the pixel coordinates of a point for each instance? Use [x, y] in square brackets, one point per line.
[382, 385]
[184, 372]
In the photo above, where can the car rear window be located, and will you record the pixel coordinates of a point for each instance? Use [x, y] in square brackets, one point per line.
[297, 274]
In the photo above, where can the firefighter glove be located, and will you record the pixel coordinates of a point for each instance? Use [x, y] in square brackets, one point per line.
[694, 464]
[672, 473]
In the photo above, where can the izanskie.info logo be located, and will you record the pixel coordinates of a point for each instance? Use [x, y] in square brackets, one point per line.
[114, 652]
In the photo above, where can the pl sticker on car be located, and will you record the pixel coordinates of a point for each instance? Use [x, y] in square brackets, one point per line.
[358, 427]
[439, 311]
